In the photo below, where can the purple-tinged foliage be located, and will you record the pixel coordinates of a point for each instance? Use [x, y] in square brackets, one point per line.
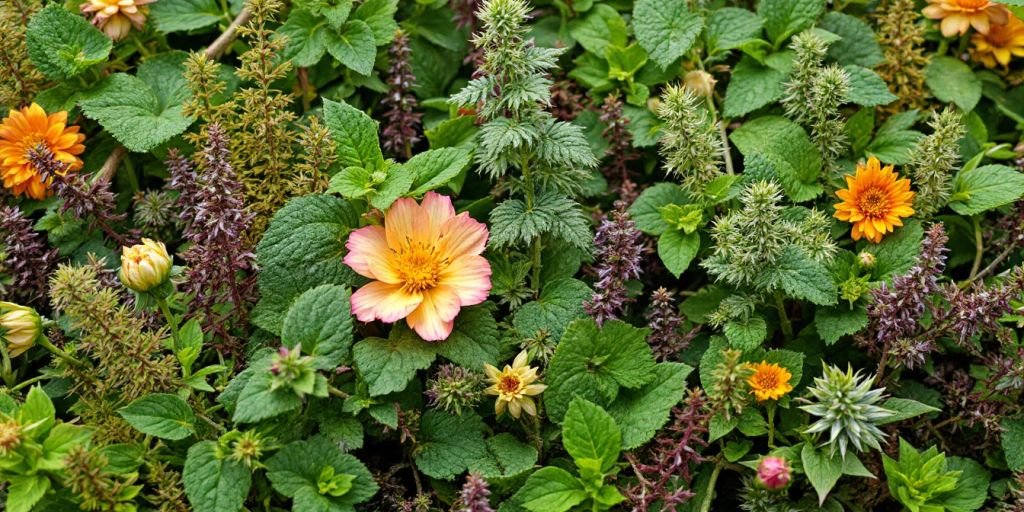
[664, 320]
[618, 254]
[28, 260]
[620, 153]
[401, 129]
[474, 496]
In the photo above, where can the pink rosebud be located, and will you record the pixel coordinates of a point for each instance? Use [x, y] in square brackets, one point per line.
[773, 473]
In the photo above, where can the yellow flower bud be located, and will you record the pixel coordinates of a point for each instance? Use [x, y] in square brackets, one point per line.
[20, 327]
[866, 259]
[145, 266]
[700, 83]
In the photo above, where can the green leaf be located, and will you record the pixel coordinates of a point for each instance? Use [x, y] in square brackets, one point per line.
[388, 365]
[971, 486]
[858, 45]
[257, 399]
[25, 491]
[63, 45]
[593, 362]
[786, 146]
[589, 432]
[753, 85]
[893, 147]
[355, 134]
[448, 444]
[506, 457]
[646, 210]
[302, 249]
[802, 278]
[1013, 443]
[62, 439]
[474, 339]
[834, 322]
[641, 412]
[821, 469]
[984, 188]
[321, 321]
[184, 15]
[214, 484]
[867, 88]
[730, 27]
[783, 18]
[602, 27]
[677, 249]
[161, 415]
[746, 335]
[952, 81]
[513, 223]
[296, 469]
[132, 109]
[434, 168]
[905, 409]
[666, 30]
[353, 46]
[307, 38]
[551, 489]
[897, 252]
[37, 410]
[560, 302]
[379, 16]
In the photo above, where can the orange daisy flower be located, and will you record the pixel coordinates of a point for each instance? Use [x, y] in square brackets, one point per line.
[425, 263]
[26, 129]
[117, 17]
[875, 201]
[1000, 44]
[769, 381]
[959, 15]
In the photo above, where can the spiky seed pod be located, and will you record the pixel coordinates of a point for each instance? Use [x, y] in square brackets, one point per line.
[690, 142]
[847, 408]
[748, 239]
[454, 389]
[933, 160]
[665, 321]
[810, 52]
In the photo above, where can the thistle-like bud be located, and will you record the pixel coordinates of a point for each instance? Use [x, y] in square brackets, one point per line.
[292, 370]
[145, 266]
[455, 388]
[847, 409]
[690, 142]
[20, 327]
[866, 260]
[246, 447]
[729, 392]
[774, 473]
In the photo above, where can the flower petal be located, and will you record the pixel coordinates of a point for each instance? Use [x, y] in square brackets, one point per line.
[383, 301]
[434, 319]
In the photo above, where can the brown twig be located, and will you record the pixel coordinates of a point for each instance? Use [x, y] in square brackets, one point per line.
[219, 45]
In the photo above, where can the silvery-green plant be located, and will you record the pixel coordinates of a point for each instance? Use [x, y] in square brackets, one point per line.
[848, 410]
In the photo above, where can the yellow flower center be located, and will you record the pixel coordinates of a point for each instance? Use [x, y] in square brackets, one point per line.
[418, 266]
[873, 203]
[766, 380]
[509, 384]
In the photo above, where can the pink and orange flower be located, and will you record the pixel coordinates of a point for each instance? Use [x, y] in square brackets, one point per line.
[425, 264]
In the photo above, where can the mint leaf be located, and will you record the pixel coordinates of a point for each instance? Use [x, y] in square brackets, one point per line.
[257, 400]
[185, 15]
[388, 365]
[353, 46]
[834, 322]
[645, 211]
[589, 432]
[474, 339]
[641, 412]
[63, 45]
[786, 146]
[25, 491]
[746, 334]
[971, 486]
[448, 444]
[560, 302]
[730, 27]
[821, 469]
[801, 278]
[858, 45]
[321, 321]
[985, 188]
[379, 16]
[356, 136]
[296, 469]
[602, 27]
[435, 168]
[506, 457]
[551, 489]
[303, 248]
[160, 415]
[677, 249]
[214, 484]
[307, 38]
[952, 81]
[129, 108]
[783, 18]
[753, 85]
[867, 88]
[1013, 442]
[666, 30]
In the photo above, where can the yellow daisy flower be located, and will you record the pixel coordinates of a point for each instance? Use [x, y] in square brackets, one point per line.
[514, 386]
[769, 381]
[875, 201]
[1002, 43]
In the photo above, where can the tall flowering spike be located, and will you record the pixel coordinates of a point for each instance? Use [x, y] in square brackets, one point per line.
[28, 258]
[875, 201]
[117, 17]
[515, 386]
[618, 255]
[690, 141]
[958, 16]
[29, 129]
[474, 496]
[847, 410]
[664, 320]
[1000, 44]
[401, 130]
[933, 160]
[902, 39]
[425, 264]
[620, 152]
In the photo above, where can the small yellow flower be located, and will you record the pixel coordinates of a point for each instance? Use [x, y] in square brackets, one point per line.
[958, 16]
[145, 266]
[875, 201]
[1002, 43]
[514, 386]
[769, 381]
[20, 327]
[117, 17]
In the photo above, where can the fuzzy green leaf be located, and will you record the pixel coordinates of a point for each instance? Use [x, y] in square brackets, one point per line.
[971, 486]
[506, 457]
[602, 27]
[25, 491]
[786, 146]
[802, 278]
[161, 415]
[63, 45]
[435, 168]
[295, 471]
[257, 400]
[307, 38]
[474, 339]
[353, 46]
[746, 335]
[589, 432]
[1013, 443]
[867, 89]
[448, 444]
[321, 321]
[185, 15]
[677, 249]
[730, 27]
[388, 365]
[641, 412]
[834, 322]
[985, 188]
[560, 302]
[379, 16]
[783, 18]
[212, 483]
[303, 248]
[952, 81]
[753, 85]
[666, 30]
[512, 223]
[551, 489]
[858, 45]
[355, 134]
[645, 211]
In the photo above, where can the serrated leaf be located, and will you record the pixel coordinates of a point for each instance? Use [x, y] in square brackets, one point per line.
[63, 45]
[786, 146]
[783, 18]
[753, 85]
[560, 302]
[379, 16]
[802, 278]
[506, 457]
[646, 210]
[746, 334]
[448, 444]
[321, 321]
[295, 472]
[474, 339]
[666, 30]
[729, 27]
[857, 44]
[307, 38]
[353, 46]
[214, 484]
[641, 412]
[25, 491]
[677, 249]
[129, 108]
[355, 134]
[985, 188]
[589, 432]
[867, 89]
[160, 415]
[389, 364]
[513, 223]
[434, 168]
[551, 489]
[602, 27]
[834, 322]
[951, 80]
[257, 400]
[303, 248]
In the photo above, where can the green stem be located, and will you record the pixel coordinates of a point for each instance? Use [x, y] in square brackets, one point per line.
[709, 493]
[8, 375]
[171, 321]
[336, 392]
[787, 327]
[45, 343]
[979, 247]
[29, 382]
[771, 424]
[536, 245]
